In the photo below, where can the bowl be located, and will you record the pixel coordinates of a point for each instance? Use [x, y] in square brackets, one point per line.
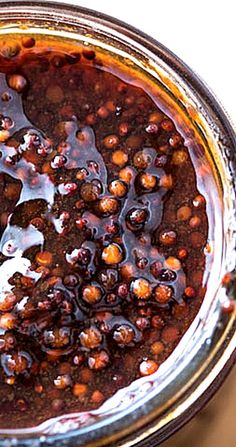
[151, 409]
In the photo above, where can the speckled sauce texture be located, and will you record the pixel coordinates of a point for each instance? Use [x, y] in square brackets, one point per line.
[102, 233]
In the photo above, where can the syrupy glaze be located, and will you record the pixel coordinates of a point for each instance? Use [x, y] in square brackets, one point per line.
[102, 233]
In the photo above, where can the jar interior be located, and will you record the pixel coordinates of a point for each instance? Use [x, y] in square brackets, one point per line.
[141, 68]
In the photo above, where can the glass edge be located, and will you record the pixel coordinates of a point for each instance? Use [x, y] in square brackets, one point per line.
[170, 58]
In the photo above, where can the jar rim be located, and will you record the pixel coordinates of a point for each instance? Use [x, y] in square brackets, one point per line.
[216, 372]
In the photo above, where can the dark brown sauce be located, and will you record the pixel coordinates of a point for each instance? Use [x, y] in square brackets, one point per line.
[102, 234]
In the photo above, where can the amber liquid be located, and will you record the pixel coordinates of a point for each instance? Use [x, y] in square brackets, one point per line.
[81, 319]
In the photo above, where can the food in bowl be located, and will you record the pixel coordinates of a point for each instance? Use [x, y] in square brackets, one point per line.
[103, 230]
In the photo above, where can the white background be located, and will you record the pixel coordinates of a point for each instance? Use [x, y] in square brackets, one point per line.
[201, 32]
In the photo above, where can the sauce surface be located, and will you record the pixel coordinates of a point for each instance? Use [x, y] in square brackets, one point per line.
[102, 233]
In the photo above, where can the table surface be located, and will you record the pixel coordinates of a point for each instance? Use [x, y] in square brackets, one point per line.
[202, 34]
[214, 426]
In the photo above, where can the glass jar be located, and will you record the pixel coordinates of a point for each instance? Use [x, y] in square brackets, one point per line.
[151, 409]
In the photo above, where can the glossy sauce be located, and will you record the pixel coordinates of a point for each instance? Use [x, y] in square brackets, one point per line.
[102, 233]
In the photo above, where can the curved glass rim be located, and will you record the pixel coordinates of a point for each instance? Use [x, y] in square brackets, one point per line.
[136, 413]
